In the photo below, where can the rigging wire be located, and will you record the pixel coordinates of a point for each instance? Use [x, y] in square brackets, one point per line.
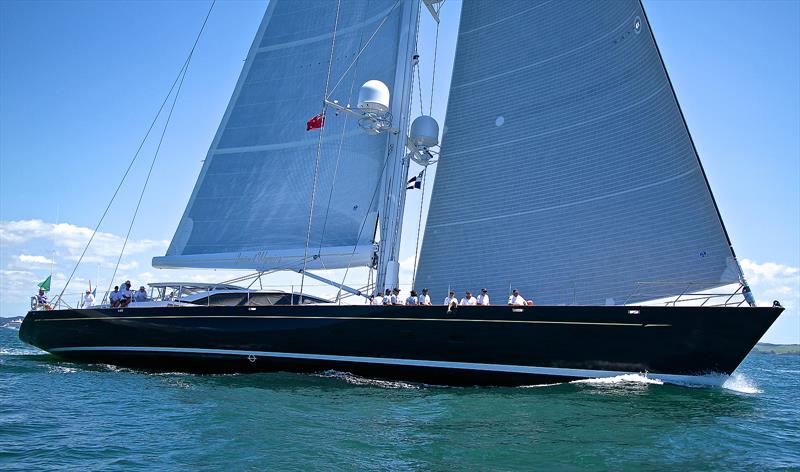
[419, 228]
[435, 53]
[328, 93]
[366, 217]
[417, 66]
[158, 147]
[339, 150]
[319, 152]
[133, 160]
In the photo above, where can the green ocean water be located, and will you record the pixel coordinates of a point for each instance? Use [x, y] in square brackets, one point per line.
[57, 415]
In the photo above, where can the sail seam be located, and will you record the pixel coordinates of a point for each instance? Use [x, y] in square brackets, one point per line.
[325, 36]
[566, 205]
[551, 58]
[563, 128]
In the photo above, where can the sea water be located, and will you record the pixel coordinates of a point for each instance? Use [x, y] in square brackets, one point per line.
[59, 415]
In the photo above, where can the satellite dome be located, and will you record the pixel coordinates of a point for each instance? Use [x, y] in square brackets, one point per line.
[374, 97]
[425, 131]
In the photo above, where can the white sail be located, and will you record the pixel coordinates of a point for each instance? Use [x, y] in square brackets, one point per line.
[567, 170]
[250, 206]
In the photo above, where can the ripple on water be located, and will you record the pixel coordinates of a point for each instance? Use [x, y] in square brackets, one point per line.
[364, 381]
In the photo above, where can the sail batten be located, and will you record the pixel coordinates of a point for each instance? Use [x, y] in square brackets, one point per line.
[567, 170]
[254, 191]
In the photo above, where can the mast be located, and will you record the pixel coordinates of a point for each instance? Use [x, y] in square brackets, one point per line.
[393, 187]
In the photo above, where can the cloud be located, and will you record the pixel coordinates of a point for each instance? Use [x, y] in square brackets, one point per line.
[771, 280]
[25, 258]
[768, 271]
[73, 239]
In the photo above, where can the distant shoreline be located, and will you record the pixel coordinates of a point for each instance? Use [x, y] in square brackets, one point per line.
[780, 349]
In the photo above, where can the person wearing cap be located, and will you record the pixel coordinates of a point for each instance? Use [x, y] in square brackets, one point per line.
[387, 297]
[483, 298]
[412, 299]
[41, 300]
[377, 299]
[127, 294]
[468, 299]
[425, 299]
[451, 298]
[88, 299]
[140, 295]
[516, 298]
[395, 299]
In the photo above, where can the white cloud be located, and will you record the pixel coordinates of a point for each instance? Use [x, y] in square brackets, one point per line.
[771, 280]
[74, 238]
[27, 259]
[768, 271]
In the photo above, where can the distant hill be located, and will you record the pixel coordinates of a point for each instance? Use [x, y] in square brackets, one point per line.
[768, 348]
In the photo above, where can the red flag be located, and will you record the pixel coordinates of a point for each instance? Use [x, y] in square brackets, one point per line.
[316, 121]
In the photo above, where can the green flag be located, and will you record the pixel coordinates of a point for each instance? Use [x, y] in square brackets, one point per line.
[46, 284]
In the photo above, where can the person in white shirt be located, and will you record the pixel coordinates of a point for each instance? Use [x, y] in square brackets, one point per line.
[140, 295]
[468, 299]
[425, 299]
[115, 297]
[387, 297]
[483, 298]
[127, 294]
[88, 299]
[412, 299]
[396, 300]
[516, 298]
[377, 299]
[451, 299]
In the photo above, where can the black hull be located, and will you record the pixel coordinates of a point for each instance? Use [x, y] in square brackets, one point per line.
[497, 345]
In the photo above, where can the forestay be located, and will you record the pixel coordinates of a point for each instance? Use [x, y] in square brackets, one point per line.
[567, 170]
[250, 206]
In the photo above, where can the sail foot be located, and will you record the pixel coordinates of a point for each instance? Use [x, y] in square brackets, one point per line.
[338, 257]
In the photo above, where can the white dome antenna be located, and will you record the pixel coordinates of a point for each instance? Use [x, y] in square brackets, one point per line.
[425, 132]
[374, 97]
[372, 111]
[424, 136]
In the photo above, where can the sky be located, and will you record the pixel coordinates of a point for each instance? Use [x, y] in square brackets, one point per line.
[81, 80]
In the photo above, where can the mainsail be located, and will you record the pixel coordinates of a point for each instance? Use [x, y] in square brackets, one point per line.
[250, 206]
[567, 169]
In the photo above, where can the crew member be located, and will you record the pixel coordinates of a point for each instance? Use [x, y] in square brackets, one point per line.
[451, 298]
[412, 299]
[377, 299]
[387, 297]
[115, 297]
[395, 299]
[483, 298]
[140, 295]
[425, 299]
[468, 299]
[516, 298]
[127, 294]
[41, 300]
[88, 299]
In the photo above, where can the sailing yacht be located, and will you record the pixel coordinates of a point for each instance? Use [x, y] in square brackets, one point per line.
[564, 136]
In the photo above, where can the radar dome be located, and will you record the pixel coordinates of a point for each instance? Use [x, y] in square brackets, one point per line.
[425, 131]
[374, 97]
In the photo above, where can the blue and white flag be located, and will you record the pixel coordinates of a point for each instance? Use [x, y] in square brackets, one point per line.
[416, 181]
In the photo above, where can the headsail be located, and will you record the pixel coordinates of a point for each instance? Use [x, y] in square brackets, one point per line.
[249, 208]
[567, 169]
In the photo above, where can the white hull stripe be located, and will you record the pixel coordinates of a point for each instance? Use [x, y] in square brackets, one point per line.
[506, 368]
[362, 318]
